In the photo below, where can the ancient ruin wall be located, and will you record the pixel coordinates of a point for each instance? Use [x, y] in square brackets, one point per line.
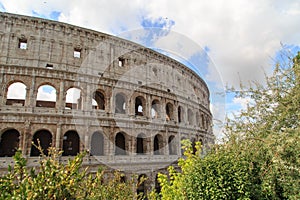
[135, 104]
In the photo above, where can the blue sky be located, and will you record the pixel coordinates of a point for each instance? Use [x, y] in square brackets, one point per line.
[227, 41]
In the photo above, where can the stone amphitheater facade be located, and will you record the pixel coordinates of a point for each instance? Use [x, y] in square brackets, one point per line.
[131, 105]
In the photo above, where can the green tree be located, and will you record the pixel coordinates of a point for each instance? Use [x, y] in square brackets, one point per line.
[260, 158]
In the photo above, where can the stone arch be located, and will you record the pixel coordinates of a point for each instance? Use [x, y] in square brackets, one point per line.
[71, 143]
[190, 117]
[16, 93]
[74, 98]
[158, 144]
[141, 144]
[172, 145]
[180, 114]
[169, 112]
[157, 185]
[120, 144]
[9, 142]
[139, 106]
[44, 139]
[98, 100]
[46, 96]
[120, 103]
[97, 144]
[141, 189]
[155, 109]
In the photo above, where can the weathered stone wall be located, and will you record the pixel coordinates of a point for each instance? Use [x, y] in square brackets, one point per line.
[37, 52]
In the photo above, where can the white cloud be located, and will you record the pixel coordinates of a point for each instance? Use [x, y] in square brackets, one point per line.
[73, 94]
[46, 93]
[241, 35]
[16, 91]
[242, 102]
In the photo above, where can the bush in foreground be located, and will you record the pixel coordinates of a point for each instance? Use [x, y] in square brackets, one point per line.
[55, 180]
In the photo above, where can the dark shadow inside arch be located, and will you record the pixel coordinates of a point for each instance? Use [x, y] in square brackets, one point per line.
[157, 145]
[155, 109]
[169, 112]
[139, 106]
[9, 143]
[141, 189]
[141, 144]
[157, 185]
[70, 143]
[99, 97]
[120, 144]
[42, 138]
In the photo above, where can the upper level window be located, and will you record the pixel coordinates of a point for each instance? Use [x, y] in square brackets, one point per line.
[121, 62]
[22, 43]
[77, 53]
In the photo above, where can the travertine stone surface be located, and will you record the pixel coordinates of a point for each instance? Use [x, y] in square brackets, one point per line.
[37, 52]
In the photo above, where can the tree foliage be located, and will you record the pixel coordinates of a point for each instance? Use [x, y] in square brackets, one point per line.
[55, 180]
[260, 158]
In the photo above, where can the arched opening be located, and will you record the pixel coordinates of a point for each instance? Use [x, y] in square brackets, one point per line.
[98, 100]
[190, 117]
[74, 99]
[97, 144]
[201, 142]
[120, 144]
[180, 114]
[141, 189]
[155, 109]
[120, 104]
[139, 106]
[16, 94]
[70, 143]
[169, 112]
[46, 96]
[194, 145]
[123, 178]
[172, 145]
[42, 138]
[141, 144]
[158, 144]
[9, 143]
[157, 185]
[181, 146]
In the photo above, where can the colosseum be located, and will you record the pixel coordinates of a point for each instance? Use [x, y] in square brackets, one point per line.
[81, 90]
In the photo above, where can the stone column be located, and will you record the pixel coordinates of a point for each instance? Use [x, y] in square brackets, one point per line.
[27, 98]
[148, 107]
[175, 112]
[60, 103]
[165, 143]
[4, 89]
[87, 99]
[111, 147]
[130, 144]
[58, 136]
[33, 93]
[150, 142]
[25, 140]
